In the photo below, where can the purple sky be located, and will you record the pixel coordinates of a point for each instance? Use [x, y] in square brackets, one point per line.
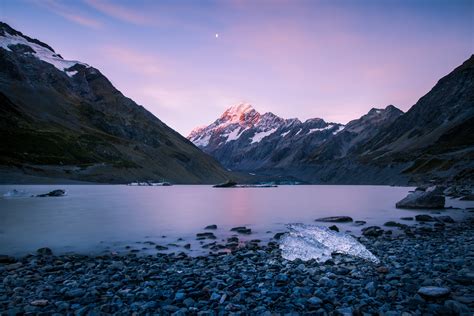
[329, 59]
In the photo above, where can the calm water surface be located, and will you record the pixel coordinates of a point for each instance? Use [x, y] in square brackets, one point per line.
[95, 218]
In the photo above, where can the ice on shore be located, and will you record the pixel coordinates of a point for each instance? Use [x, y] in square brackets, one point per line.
[307, 242]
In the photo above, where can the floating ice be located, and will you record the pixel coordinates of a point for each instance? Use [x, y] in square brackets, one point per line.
[16, 193]
[307, 242]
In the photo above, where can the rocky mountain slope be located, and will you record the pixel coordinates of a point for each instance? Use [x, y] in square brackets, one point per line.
[243, 139]
[436, 136]
[64, 119]
[432, 141]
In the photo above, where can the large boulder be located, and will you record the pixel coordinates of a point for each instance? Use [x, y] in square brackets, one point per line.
[432, 198]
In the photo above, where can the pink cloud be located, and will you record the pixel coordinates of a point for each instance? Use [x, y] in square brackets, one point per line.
[69, 14]
[120, 12]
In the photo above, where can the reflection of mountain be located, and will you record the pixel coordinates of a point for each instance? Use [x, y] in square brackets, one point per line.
[64, 119]
[433, 140]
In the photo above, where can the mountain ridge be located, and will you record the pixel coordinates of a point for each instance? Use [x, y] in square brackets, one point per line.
[64, 119]
[432, 141]
[242, 134]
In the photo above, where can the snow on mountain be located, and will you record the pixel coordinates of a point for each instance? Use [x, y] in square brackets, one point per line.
[17, 42]
[261, 135]
[243, 138]
[340, 129]
[312, 130]
[232, 124]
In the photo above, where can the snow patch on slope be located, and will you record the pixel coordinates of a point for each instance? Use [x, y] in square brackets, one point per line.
[235, 134]
[312, 130]
[40, 52]
[202, 141]
[338, 130]
[261, 135]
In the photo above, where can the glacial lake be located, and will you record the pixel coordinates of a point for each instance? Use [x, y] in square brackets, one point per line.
[106, 218]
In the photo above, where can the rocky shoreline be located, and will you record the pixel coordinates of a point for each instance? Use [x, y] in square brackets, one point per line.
[427, 269]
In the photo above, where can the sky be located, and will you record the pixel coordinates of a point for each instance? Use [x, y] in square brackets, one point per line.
[187, 61]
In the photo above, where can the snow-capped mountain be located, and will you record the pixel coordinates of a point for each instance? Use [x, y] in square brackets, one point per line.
[233, 123]
[64, 119]
[243, 139]
[433, 140]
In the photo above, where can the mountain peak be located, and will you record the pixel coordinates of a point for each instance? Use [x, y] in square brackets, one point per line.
[238, 110]
[242, 113]
[388, 109]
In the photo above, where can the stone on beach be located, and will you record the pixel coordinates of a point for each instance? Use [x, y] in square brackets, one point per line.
[469, 197]
[254, 279]
[7, 259]
[39, 303]
[433, 292]
[44, 251]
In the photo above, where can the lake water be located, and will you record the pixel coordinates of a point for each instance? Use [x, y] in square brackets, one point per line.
[96, 218]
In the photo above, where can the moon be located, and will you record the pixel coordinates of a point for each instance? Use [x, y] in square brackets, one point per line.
[217, 35]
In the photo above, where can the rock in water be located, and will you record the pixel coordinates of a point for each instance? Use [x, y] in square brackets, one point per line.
[372, 231]
[433, 291]
[242, 230]
[307, 242]
[445, 219]
[53, 193]
[228, 184]
[201, 236]
[335, 219]
[211, 227]
[432, 198]
[424, 218]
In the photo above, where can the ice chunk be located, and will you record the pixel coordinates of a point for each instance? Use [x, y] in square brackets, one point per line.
[16, 193]
[307, 242]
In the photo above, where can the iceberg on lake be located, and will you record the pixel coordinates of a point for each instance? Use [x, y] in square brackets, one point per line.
[307, 242]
